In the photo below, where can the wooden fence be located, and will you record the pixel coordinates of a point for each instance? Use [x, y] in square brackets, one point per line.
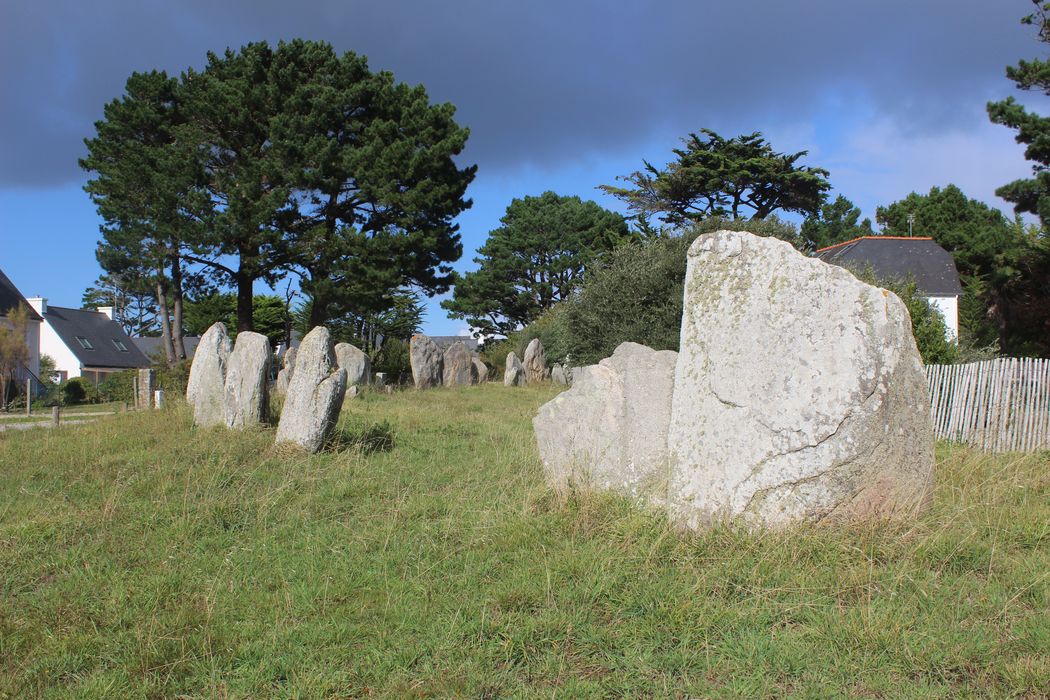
[998, 405]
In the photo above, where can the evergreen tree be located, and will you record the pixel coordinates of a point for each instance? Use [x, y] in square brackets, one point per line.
[534, 260]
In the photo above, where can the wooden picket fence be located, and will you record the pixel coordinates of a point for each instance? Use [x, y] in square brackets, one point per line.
[999, 405]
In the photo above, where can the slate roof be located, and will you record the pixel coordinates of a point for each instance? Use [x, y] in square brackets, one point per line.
[151, 347]
[10, 298]
[100, 333]
[898, 258]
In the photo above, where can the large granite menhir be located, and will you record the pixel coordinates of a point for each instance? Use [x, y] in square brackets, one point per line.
[356, 363]
[205, 389]
[427, 362]
[458, 367]
[246, 396]
[315, 394]
[535, 362]
[797, 395]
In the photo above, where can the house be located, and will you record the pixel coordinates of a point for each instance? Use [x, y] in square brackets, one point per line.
[11, 298]
[85, 343]
[896, 258]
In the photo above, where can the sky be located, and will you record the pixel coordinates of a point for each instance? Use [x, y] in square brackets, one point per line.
[888, 96]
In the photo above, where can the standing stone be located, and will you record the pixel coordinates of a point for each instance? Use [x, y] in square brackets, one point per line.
[426, 359]
[514, 374]
[558, 375]
[481, 369]
[285, 374]
[535, 362]
[355, 362]
[146, 379]
[798, 394]
[315, 394]
[246, 399]
[609, 431]
[458, 366]
[206, 387]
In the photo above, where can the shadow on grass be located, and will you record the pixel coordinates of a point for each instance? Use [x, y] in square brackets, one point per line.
[366, 438]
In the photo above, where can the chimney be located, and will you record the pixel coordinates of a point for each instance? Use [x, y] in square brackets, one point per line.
[108, 310]
[39, 304]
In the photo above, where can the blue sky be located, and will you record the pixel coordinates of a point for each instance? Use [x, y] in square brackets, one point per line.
[888, 96]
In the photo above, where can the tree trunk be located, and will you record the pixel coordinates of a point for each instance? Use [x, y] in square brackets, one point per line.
[244, 301]
[165, 318]
[318, 308]
[177, 343]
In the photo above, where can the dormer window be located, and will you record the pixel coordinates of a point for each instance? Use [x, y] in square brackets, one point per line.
[119, 345]
[85, 343]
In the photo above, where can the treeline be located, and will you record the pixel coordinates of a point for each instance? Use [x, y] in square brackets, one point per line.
[271, 163]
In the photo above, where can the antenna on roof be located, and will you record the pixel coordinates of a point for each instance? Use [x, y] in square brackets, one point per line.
[911, 220]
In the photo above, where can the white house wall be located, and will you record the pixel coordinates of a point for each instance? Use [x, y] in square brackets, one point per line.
[33, 343]
[949, 308]
[52, 345]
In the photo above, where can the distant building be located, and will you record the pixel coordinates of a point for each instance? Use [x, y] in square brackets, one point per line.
[11, 298]
[895, 258]
[85, 343]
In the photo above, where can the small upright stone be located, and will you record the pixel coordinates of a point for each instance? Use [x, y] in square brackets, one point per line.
[315, 394]
[426, 359]
[356, 363]
[207, 382]
[458, 366]
[514, 374]
[558, 375]
[535, 362]
[246, 399]
[482, 370]
[285, 374]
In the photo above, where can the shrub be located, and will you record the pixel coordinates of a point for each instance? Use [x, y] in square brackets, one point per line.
[74, 391]
[394, 360]
[118, 386]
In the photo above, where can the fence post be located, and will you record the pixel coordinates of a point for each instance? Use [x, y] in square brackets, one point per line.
[29, 397]
[55, 416]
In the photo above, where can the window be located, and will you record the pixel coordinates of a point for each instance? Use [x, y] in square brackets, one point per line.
[85, 343]
[119, 345]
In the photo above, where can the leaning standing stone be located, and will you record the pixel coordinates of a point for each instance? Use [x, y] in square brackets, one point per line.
[246, 398]
[482, 370]
[535, 362]
[458, 366]
[206, 386]
[315, 394]
[514, 374]
[355, 362]
[426, 360]
[799, 393]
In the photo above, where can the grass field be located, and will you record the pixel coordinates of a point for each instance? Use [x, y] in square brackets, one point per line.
[426, 558]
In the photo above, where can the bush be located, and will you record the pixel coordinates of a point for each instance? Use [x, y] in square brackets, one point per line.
[394, 360]
[118, 386]
[74, 391]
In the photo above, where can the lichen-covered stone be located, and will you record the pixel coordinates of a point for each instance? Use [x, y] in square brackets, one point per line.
[535, 362]
[514, 374]
[315, 394]
[246, 396]
[206, 387]
[426, 359]
[458, 366]
[356, 363]
[798, 392]
[609, 431]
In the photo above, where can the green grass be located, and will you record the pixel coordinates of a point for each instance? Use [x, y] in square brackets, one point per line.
[426, 558]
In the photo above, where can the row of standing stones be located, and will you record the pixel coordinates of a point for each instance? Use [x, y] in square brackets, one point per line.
[457, 366]
[231, 387]
[797, 395]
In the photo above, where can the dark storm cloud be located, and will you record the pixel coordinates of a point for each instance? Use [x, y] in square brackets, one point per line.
[540, 83]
